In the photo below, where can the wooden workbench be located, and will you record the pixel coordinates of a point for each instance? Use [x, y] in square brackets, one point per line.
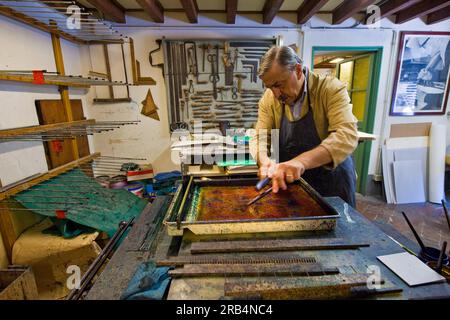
[353, 227]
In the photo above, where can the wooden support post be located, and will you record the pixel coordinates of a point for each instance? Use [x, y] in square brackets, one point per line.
[7, 230]
[133, 62]
[64, 90]
[108, 70]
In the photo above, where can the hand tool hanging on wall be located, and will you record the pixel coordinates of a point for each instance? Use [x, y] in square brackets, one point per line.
[235, 58]
[178, 126]
[228, 64]
[204, 47]
[184, 72]
[170, 81]
[174, 75]
[190, 61]
[159, 65]
[254, 64]
[217, 60]
[255, 91]
[214, 76]
[252, 44]
[191, 86]
[240, 77]
[194, 62]
[186, 101]
[250, 68]
[234, 91]
[262, 51]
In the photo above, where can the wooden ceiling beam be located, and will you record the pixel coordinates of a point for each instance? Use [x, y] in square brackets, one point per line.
[349, 8]
[231, 7]
[438, 16]
[153, 8]
[270, 10]
[393, 6]
[191, 9]
[307, 9]
[110, 9]
[421, 9]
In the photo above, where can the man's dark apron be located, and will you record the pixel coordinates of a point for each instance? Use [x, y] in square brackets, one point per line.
[300, 136]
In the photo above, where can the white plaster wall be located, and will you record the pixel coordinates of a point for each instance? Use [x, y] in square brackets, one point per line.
[150, 139]
[25, 48]
[317, 33]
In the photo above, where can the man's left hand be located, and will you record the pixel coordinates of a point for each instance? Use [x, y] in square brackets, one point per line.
[286, 172]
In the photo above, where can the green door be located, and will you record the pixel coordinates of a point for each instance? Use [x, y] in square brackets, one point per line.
[356, 72]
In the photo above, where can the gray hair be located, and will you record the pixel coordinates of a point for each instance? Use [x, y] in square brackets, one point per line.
[283, 56]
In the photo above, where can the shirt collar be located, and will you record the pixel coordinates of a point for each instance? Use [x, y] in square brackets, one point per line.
[300, 99]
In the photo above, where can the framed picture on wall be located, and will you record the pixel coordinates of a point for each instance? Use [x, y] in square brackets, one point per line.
[421, 83]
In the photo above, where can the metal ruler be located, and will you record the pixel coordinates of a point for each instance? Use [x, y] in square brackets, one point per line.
[273, 245]
[227, 260]
[251, 270]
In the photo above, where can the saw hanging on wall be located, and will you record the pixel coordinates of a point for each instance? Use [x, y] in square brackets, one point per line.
[149, 107]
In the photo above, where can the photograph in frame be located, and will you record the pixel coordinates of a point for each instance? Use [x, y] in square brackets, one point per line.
[422, 76]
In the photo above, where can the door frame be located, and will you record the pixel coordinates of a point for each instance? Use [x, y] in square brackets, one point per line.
[375, 80]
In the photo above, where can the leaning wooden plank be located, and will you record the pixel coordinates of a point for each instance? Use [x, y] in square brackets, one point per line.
[320, 287]
[46, 176]
[273, 245]
[43, 128]
[251, 270]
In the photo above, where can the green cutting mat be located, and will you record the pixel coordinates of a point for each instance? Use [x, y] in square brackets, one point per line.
[100, 208]
[248, 162]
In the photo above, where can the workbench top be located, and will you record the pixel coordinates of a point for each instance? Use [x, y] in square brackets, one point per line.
[351, 225]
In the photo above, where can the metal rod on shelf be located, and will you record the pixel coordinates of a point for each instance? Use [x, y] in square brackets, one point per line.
[113, 157]
[68, 191]
[52, 12]
[45, 202]
[50, 196]
[12, 6]
[79, 183]
[41, 1]
[24, 209]
[28, 71]
[110, 161]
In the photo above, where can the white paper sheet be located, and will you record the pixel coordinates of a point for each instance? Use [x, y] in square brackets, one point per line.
[410, 269]
[438, 134]
[409, 181]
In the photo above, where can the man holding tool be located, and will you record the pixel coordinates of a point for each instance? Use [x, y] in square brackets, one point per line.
[318, 131]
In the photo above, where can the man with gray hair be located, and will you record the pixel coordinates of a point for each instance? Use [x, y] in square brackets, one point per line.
[318, 131]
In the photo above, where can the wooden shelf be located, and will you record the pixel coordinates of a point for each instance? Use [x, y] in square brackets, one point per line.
[42, 128]
[55, 80]
[60, 131]
[38, 24]
[26, 184]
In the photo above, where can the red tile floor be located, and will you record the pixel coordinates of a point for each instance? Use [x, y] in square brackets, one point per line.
[427, 218]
